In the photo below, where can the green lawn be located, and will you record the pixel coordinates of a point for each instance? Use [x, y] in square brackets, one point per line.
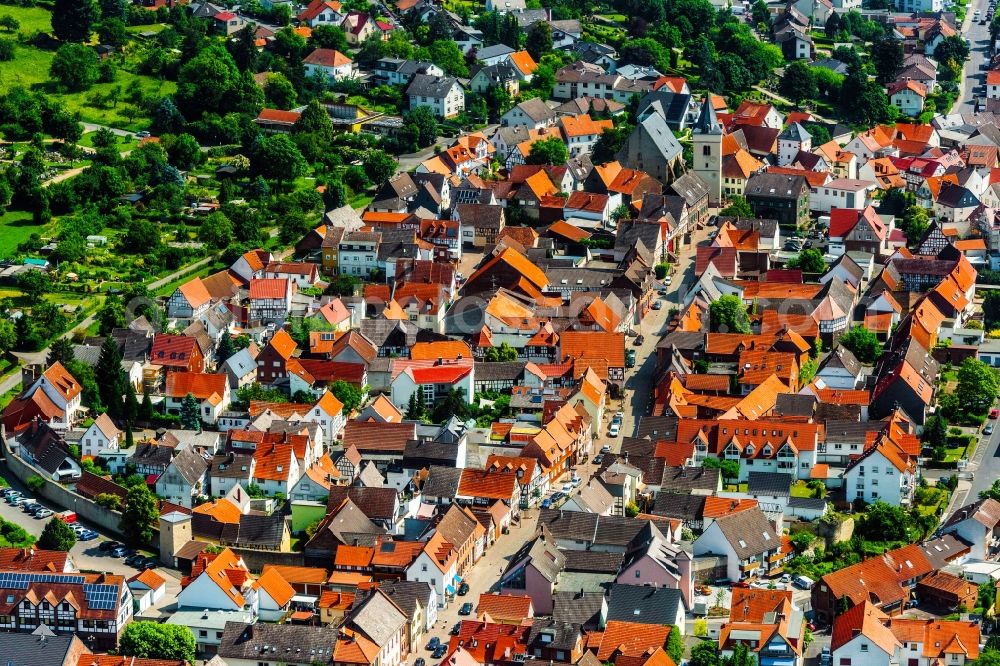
[800, 489]
[31, 18]
[115, 116]
[154, 28]
[15, 227]
[30, 66]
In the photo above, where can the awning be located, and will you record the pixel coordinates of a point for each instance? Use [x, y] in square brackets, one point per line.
[458, 579]
[449, 590]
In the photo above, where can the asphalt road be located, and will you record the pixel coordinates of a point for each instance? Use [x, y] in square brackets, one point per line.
[985, 465]
[979, 41]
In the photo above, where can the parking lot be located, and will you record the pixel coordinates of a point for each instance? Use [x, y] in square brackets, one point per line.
[87, 556]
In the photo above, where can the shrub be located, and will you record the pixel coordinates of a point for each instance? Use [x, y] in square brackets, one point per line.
[6, 49]
[35, 483]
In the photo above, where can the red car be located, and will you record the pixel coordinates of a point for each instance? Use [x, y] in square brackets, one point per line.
[994, 413]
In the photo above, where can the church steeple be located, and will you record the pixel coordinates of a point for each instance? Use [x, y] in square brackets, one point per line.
[708, 122]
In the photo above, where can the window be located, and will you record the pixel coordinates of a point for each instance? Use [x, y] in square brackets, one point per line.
[864, 647]
[638, 574]
[203, 633]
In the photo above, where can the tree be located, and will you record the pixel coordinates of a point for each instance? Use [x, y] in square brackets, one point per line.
[111, 315]
[208, 82]
[112, 31]
[810, 260]
[675, 644]
[422, 123]
[138, 516]
[978, 385]
[453, 404]
[34, 284]
[704, 654]
[60, 350]
[991, 309]
[887, 57]
[167, 118]
[276, 158]
[152, 640]
[884, 522]
[130, 411]
[935, 431]
[279, 91]
[329, 37]
[446, 54]
[110, 377]
[914, 222]
[348, 394]
[380, 166]
[548, 151]
[728, 315]
[191, 413]
[415, 409]
[502, 353]
[9, 23]
[741, 657]
[952, 49]
[146, 408]
[74, 67]
[539, 41]
[114, 9]
[224, 350]
[57, 535]
[738, 207]
[799, 82]
[863, 344]
[109, 501]
[216, 231]
[73, 20]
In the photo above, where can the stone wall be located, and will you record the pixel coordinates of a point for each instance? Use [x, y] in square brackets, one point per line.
[65, 499]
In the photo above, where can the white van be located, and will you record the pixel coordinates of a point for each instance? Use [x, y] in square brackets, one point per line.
[803, 582]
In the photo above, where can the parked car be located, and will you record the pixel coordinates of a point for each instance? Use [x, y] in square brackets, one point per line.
[109, 545]
[419, 662]
[134, 560]
[43, 513]
[567, 487]
[466, 609]
[546, 503]
[434, 644]
[463, 589]
[988, 430]
[824, 656]
[87, 535]
[599, 458]
[605, 449]
[657, 305]
[456, 629]
[119, 551]
[994, 413]
[440, 652]
[556, 497]
[614, 430]
[639, 339]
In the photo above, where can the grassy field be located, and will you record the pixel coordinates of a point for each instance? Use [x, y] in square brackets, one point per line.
[29, 68]
[32, 19]
[15, 227]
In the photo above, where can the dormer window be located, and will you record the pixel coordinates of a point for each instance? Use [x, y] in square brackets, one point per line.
[750, 449]
[766, 450]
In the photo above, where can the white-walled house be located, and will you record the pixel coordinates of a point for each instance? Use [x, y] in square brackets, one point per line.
[184, 478]
[443, 95]
[437, 565]
[274, 595]
[329, 65]
[882, 473]
[433, 383]
[747, 539]
[224, 583]
[908, 96]
[329, 413]
[842, 193]
[101, 436]
[976, 524]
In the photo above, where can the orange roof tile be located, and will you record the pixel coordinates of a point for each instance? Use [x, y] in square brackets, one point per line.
[505, 607]
[222, 510]
[524, 62]
[276, 587]
[445, 349]
[630, 639]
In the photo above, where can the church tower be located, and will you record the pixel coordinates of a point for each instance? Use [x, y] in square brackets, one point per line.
[707, 136]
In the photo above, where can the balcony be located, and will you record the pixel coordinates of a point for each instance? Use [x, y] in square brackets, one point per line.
[749, 566]
[777, 557]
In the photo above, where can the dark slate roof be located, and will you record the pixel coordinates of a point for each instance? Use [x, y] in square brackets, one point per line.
[672, 106]
[550, 634]
[39, 648]
[376, 503]
[657, 427]
[590, 528]
[842, 357]
[421, 453]
[769, 483]
[190, 465]
[681, 507]
[691, 187]
[288, 643]
[480, 215]
[644, 605]
[688, 479]
[581, 608]
[252, 530]
[794, 404]
[426, 85]
[592, 561]
[775, 186]
[749, 533]
[499, 371]
[407, 594]
[814, 503]
[542, 553]
[442, 481]
[151, 454]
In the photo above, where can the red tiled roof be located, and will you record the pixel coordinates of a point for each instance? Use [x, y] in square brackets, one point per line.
[268, 288]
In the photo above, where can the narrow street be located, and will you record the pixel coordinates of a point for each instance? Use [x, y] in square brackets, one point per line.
[973, 75]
